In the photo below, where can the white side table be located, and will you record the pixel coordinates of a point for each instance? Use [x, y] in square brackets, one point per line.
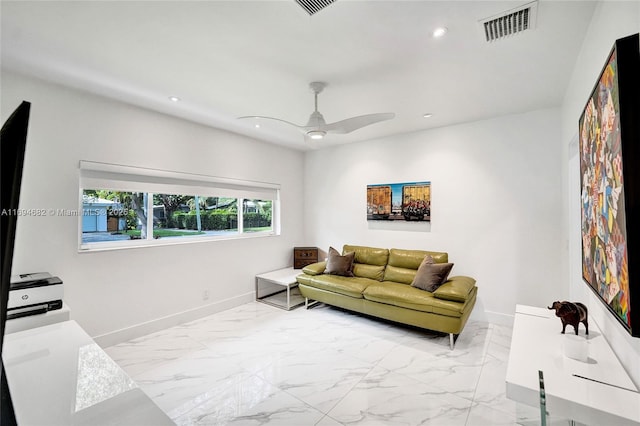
[279, 288]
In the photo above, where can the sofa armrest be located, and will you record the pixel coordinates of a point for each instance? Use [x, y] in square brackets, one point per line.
[456, 289]
[315, 268]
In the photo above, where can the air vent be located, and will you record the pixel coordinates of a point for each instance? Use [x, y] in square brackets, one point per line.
[511, 22]
[314, 6]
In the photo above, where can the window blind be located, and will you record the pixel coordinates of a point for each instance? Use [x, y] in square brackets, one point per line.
[95, 175]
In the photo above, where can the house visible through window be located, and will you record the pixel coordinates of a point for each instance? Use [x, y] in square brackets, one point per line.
[257, 215]
[114, 218]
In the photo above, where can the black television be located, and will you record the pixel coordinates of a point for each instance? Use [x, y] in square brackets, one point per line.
[13, 139]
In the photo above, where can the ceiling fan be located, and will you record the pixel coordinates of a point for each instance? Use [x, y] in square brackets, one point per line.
[317, 128]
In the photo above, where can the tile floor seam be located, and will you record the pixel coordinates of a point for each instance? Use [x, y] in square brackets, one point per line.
[352, 388]
[483, 364]
[327, 416]
[297, 398]
[161, 363]
[168, 362]
[265, 380]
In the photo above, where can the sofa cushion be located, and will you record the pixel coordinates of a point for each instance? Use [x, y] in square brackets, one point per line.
[369, 262]
[315, 268]
[405, 296]
[456, 289]
[399, 275]
[431, 275]
[339, 265]
[403, 264]
[372, 272]
[411, 259]
[349, 286]
[368, 255]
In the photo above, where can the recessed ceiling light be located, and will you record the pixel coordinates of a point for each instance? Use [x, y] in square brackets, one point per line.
[174, 98]
[439, 32]
[257, 126]
[427, 115]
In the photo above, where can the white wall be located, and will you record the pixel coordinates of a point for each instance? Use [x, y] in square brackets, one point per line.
[495, 203]
[611, 20]
[109, 291]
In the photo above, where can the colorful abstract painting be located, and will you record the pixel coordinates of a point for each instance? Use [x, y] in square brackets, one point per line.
[605, 263]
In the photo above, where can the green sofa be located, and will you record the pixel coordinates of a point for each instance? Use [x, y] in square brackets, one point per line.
[381, 287]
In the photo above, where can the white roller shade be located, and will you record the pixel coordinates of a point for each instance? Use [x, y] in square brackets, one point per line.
[95, 175]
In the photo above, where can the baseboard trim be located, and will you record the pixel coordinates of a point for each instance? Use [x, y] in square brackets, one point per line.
[500, 318]
[138, 330]
[480, 314]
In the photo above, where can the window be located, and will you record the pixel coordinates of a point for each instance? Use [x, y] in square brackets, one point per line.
[124, 206]
[187, 215]
[112, 215]
[257, 215]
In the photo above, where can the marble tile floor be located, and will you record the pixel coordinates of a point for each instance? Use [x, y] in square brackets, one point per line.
[260, 365]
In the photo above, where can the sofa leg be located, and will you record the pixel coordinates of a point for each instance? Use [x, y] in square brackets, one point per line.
[308, 304]
[451, 341]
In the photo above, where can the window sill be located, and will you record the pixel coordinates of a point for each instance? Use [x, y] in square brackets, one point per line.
[169, 241]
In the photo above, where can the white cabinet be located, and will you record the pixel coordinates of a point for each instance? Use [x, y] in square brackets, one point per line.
[595, 392]
[58, 375]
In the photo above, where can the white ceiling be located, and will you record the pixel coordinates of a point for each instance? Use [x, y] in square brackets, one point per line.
[227, 59]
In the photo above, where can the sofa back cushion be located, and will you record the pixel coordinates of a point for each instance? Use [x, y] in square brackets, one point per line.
[403, 264]
[369, 262]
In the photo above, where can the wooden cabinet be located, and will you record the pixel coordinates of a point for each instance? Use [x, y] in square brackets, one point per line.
[303, 256]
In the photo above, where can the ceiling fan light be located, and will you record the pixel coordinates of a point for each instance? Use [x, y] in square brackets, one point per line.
[316, 134]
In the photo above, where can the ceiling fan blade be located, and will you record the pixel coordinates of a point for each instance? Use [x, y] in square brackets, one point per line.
[261, 117]
[350, 124]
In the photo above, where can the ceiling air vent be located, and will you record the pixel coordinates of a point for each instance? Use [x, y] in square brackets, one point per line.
[313, 6]
[511, 22]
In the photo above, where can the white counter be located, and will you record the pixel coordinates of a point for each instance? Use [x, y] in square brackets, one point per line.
[38, 320]
[57, 375]
[596, 392]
